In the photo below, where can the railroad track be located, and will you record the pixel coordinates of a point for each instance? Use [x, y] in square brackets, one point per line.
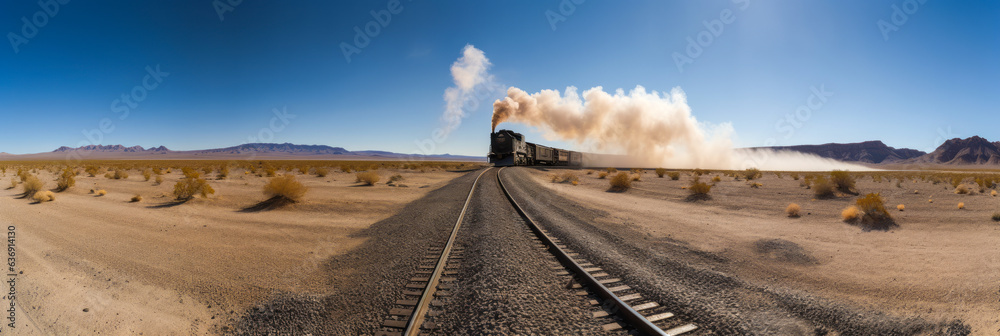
[616, 298]
[432, 282]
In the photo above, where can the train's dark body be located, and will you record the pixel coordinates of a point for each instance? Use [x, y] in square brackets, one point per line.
[508, 148]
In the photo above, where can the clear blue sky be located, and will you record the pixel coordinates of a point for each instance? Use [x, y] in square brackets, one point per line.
[939, 72]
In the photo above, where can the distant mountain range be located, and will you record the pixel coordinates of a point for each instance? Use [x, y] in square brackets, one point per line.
[970, 151]
[244, 151]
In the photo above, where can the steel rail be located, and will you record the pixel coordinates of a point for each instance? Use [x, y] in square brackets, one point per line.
[619, 307]
[420, 311]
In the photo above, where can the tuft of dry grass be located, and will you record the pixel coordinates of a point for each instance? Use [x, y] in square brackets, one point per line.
[322, 172]
[716, 179]
[961, 205]
[158, 180]
[755, 185]
[901, 207]
[752, 173]
[636, 177]
[367, 177]
[44, 196]
[136, 198]
[286, 187]
[602, 175]
[962, 189]
[793, 210]
[660, 172]
[930, 200]
[993, 193]
[850, 214]
[620, 182]
[101, 192]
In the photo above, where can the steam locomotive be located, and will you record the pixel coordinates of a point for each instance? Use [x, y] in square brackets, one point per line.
[508, 148]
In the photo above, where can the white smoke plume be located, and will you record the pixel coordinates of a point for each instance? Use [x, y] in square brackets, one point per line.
[647, 129]
[468, 71]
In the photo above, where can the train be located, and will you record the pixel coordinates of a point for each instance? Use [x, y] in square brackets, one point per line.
[508, 148]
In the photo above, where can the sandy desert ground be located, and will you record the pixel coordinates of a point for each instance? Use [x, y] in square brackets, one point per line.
[940, 263]
[106, 265]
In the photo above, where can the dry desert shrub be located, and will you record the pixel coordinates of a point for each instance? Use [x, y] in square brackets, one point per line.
[716, 179]
[993, 193]
[44, 196]
[66, 180]
[136, 198]
[930, 200]
[660, 172]
[269, 171]
[223, 172]
[590, 172]
[962, 189]
[793, 210]
[367, 177]
[843, 180]
[158, 180]
[752, 173]
[285, 187]
[698, 190]
[636, 177]
[996, 217]
[92, 170]
[755, 185]
[396, 178]
[120, 174]
[147, 174]
[873, 211]
[961, 205]
[611, 170]
[567, 177]
[674, 175]
[13, 183]
[795, 176]
[192, 184]
[850, 214]
[602, 175]
[901, 207]
[322, 172]
[822, 187]
[31, 185]
[620, 182]
[101, 192]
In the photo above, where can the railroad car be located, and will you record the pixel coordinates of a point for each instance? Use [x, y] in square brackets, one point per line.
[508, 148]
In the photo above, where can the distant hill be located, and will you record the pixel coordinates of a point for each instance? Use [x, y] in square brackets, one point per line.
[970, 151]
[866, 152]
[245, 151]
[974, 150]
